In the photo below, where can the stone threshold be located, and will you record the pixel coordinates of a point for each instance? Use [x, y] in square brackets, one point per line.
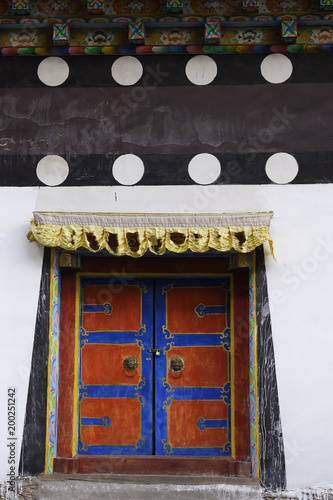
[152, 479]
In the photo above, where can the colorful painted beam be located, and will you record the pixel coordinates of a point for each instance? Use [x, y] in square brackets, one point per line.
[326, 4]
[288, 29]
[158, 49]
[21, 7]
[212, 32]
[250, 5]
[96, 6]
[174, 6]
[60, 34]
[136, 33]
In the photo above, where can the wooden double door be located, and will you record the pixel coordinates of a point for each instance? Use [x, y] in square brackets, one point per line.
[159, 369]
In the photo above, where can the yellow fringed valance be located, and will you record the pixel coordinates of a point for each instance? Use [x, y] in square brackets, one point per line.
[135, 234]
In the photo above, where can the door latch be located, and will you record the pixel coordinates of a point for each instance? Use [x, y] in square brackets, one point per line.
[156, 351]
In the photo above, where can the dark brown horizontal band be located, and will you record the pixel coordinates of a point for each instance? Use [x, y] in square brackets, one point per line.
[150, 465]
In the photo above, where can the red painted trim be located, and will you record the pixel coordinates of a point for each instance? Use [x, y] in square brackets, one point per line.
[155, 265]
[213, 466]
[66, 364]
[241, 364]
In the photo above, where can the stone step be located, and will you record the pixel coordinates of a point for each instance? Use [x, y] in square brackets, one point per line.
[107, 487]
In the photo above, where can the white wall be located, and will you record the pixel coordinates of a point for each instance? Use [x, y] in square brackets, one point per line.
[20, 271]
[302, 313]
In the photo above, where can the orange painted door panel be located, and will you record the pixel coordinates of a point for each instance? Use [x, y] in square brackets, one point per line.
[115, 328]
[194, 373]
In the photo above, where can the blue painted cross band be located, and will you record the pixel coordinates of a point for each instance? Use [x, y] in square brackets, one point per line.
[105, 421]
[60, 31]
[203, 424]
[136, 30]
[289, 29]
[98, 308]
[201, 310]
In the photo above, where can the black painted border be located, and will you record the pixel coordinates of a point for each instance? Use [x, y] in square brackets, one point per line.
[164, 70]
[315, 167]
[271, 447]
[32, 459]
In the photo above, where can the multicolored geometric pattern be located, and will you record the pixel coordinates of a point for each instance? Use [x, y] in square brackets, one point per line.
[212, 31]
[96, 6]
[174, 5]
[288, 29]
[326, 4]
[21, 6]
[250, 5]
[52, 362]
[254, 438]
[136, 33]
[60, 34]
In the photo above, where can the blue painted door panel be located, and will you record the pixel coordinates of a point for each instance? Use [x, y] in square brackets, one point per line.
[187, 409]
[193, 399]
[115, 408]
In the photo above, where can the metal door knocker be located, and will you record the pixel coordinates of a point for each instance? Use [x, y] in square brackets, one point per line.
[176, 365]
[130, 365]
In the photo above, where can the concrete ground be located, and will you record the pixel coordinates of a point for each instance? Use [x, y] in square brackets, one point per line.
[107, 487]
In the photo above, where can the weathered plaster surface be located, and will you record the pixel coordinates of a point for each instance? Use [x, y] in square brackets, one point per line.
[149, 489]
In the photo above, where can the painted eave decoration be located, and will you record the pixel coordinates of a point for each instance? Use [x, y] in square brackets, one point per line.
[166, 26]
[135, 234]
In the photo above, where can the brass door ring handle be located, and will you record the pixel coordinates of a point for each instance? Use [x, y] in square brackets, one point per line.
[130, 364]
[176, 366]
